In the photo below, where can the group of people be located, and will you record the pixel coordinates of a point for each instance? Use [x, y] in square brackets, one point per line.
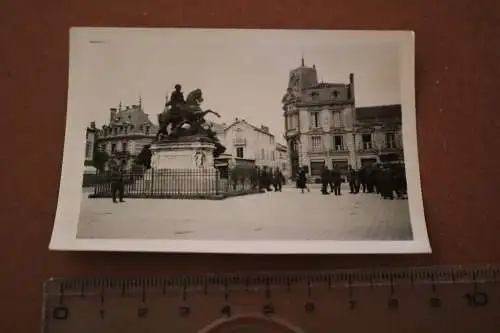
[268, 178]
[387, 180]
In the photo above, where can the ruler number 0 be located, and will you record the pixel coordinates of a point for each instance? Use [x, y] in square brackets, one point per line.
[476, 299]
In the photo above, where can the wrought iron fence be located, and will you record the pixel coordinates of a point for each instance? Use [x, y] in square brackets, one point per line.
[177, 183]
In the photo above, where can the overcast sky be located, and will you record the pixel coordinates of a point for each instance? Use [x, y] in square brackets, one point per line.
[243, 73]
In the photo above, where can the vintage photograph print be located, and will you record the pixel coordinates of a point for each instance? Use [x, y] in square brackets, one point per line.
[240, 141]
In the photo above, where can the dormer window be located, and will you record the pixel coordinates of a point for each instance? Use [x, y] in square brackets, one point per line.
[314, 95]
[335, 94]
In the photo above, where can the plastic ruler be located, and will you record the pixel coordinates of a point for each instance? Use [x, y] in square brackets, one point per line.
[426, 299]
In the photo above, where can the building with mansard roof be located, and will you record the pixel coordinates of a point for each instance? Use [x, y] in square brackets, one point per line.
[323, 126]
[129, 129]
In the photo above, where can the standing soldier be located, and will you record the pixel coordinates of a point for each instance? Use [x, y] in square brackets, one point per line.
[337, 179]
[351, 178]
[325, 179]
[278, 180]
[117, 184]
[302, 180]
[362, 179]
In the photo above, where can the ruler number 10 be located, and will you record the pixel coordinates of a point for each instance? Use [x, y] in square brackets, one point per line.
[476, 299]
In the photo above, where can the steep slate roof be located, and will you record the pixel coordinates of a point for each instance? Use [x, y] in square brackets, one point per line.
[379, 112]
[133, 115]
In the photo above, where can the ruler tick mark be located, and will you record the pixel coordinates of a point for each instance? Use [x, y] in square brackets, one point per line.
[226, 295]
[61, 293]
[268, 289]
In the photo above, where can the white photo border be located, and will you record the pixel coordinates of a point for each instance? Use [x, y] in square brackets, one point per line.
[64, 235]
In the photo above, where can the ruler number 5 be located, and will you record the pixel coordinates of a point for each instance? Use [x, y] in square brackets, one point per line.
[476, 299]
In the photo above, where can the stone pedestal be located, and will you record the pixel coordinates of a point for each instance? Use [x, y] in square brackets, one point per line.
[182, 155]
[183, 169]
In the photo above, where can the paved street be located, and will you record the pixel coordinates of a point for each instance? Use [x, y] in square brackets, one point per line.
[288, 215]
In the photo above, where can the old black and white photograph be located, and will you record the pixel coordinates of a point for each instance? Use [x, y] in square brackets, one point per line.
[240, 141]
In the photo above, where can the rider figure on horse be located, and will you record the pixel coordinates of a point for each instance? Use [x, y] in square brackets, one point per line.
[176, 98]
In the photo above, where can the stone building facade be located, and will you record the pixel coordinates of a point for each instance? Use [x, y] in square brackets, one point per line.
[323, 126]
[247, 142]
[282, 160]
[90, 143]
[129, 129]
[244, 140]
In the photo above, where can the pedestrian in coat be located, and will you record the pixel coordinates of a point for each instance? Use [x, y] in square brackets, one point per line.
[336, 178]
[302, 180]
[325, 179]
[117, 184]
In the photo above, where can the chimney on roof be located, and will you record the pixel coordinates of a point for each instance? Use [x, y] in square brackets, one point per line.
[112, 114]
[351, 95]
[264, 128]
[92, 124]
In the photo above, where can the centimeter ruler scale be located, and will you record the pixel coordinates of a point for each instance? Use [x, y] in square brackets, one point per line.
[427, 299]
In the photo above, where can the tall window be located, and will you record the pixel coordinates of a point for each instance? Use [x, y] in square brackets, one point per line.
[315, 121]
[113, 148]
[338, 121]
[367, 141]
[316, 143]
[88, 149]
[338, 142]
[124, 146]
[239, 152]
[390, 140]
[294, 146]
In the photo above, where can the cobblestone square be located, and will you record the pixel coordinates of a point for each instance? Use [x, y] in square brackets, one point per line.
[286, 215]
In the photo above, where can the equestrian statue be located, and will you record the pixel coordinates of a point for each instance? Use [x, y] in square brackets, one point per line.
[185, 118]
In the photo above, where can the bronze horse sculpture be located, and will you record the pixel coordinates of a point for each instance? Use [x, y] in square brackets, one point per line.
[189, 113]
[187, 119]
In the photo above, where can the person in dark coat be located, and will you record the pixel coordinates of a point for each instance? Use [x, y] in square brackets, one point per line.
[386, 183]
[336, 178]
[325, 179]
[278, 180]
[268, 178]
[302, 180]
[352, 180]
[362, 179]
[377, 174]
[370, 179]
[117, 184]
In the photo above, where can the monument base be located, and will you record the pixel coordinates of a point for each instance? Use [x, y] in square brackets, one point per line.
[181, 169]
[183, 154]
